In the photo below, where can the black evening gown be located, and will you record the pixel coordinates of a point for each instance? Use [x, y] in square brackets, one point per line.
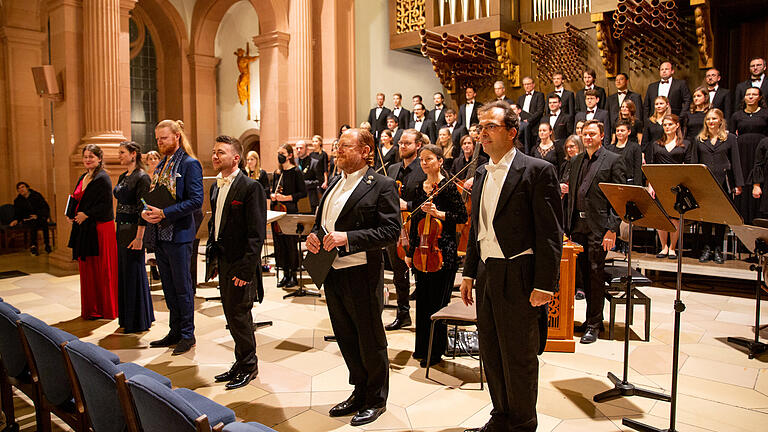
[134, 301]
[692, 123]
[750, 129]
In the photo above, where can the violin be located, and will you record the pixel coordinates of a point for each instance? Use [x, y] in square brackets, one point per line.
[403, 242]
[276, 205]
[428, 258]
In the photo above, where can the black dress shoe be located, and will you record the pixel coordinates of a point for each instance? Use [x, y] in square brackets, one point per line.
[662, 255]
[672, 256]
[183, 346]
[241, 379]
[367, 415]
[282, 281]
[402, 320]
[353, 404]
[706, 255]
[590, 335]
[168, 340]
[717, 257]
[292, 282]
[579, 295]
[226, 376]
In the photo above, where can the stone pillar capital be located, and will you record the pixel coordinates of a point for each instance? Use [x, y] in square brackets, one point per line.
[55, 4]
[20, 35]
[273, 39]
[126, 6]
[203, 61]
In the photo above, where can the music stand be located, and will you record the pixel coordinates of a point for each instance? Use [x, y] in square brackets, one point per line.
[693, 192]
[756, 240]
[302, 225]
[637, 208]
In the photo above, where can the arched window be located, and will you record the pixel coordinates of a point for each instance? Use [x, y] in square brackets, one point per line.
[143, 86]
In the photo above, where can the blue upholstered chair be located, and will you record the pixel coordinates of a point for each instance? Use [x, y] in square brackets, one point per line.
[96, 375]
[46, 362]
[14, 371]
[247, 427]
[161, 409]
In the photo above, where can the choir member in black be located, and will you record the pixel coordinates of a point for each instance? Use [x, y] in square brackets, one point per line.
[628, 113]
[320, 154]
[395, 131]
[589, 84]
[566, 96]
[31, 210]
[756, 78]
[759, 177]
[547, 149]
[578, 127]
[467, 151]
[573, 146]
[387, 153]
[134, 302]
[623, 93]
[445, 142]
[153, 160]
[333, 171]
[433, 289]
[719, 97]
[312, 171]
[669, 149]
[343, 128]
[693, 119]
[287, 190]
[630, 153]
[653, 131]
[750, 124]
[254, 171]
[719, 151]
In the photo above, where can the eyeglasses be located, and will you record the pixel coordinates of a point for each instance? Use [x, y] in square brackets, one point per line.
[490, 127]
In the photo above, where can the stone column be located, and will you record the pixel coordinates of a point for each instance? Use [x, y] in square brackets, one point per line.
[301, 70]
[273, 118]
[101, 61]
[205, 125]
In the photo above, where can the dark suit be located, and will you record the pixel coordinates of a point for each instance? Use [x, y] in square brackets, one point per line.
[371, 219]
[602, 116]
[506, 99]
[741, 90]
[440, 120]
[380, 123]
[563, 126]
[428, 128]
[511, 331]
[581, 104]
[467, 122]
[723, 101]
[535, 110]
[567, 101]
[236, 248]
[458, 132]
[403, 118]
[614, 107]
[589, 231]
[390, 158]
[312, 170]
[398, 134]
[679, 97]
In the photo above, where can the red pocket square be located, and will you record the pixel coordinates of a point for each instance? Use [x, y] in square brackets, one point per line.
[236, 202]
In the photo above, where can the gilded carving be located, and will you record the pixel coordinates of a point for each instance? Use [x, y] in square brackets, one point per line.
[410, 15]
[703, 35]
[244, 60]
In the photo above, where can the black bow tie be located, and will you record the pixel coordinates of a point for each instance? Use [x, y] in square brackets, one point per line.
[590, 111]
[528, 94]
[755, 79]
[665, 81]
[623, 92]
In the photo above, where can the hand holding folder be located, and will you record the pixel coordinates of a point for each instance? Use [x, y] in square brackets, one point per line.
[319, 264]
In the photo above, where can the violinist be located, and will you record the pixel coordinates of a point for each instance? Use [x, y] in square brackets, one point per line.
[467, 151]
[287, 189]
[433, 233]
[410, 175]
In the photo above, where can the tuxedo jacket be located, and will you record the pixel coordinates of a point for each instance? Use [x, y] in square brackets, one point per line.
[440, 120]
[378, 124]
[506, 99]
[398, 134]
[600, 115]
[389, 159]
[567, 101]
[581, 105]
[458, 131]
[614, 107]
[370, 217]
[403, 119]
[467, 122]
[741, 90]
[563, 126]
[313, 178]
[428, 128]
[536, 108]
[600, 215]
[724, 101]
[679, 97]
[242, 229]
[530, 197]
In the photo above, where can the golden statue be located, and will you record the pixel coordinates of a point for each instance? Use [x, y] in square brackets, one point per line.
[244, 60]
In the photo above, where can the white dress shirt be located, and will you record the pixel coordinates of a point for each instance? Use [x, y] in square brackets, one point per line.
[224, 184]
[758, 83]
[437, 112]
[378, 112]
[621, 95]
[559, 91]
[527, 102]
[664, 88]
[417, 124]
[553, 118]
[396, 111]
[712, 93]
[468, 112]
[591, 115]
[334, 203]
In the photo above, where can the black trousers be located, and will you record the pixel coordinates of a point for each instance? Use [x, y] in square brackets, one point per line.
[36, 225]
[509, 334]
[237, 303]
[286, 251]
[354, 305]
[590, 266]
[713, 240]
[433, 292]
[400, 279]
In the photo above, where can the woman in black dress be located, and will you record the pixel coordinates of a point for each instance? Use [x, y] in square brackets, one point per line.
[320, 154]
[760, 177]
[670, 149]
[445, 142]
[547, 149]
[433, 290]
[387, 153]
[652, 131]
[719, 151]
[630, 152]
[134, 301]
[332, 170]
[254, 171]
[693, 121]
[750, 124]
[628, 113]
[287, 189]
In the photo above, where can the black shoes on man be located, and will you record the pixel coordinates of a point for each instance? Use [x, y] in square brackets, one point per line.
[356, 404]
[180, 344]
[709, 255]
[237, 377]
[402, 320]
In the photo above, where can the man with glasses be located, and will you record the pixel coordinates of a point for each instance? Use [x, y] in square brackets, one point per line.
[516, 216]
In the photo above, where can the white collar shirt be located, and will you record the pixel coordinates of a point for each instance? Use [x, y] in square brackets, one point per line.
[334, 204]
[224, 184]
[553, 118]
[664, 88]
[527, 102]
[468, 112]
[378, 112]
[758, 83]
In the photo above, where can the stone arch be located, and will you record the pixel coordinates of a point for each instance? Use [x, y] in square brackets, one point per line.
[250, 139]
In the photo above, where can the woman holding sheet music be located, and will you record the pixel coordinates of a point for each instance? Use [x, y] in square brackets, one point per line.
[287, 189]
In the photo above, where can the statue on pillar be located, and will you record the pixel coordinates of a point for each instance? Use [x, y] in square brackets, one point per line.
[244, 60]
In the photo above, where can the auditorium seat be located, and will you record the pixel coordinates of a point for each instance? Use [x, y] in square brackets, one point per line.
[162, 409]
[95, 374]
[247, 427]
[49, 370]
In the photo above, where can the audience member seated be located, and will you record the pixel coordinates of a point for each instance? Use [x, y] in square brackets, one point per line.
[31, 210]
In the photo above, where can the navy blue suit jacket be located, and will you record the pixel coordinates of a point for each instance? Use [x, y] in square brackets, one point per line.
[189, 198]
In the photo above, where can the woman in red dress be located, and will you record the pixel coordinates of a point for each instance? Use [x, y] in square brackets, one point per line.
[93, 240]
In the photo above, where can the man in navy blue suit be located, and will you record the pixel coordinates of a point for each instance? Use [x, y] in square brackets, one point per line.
[173, 229]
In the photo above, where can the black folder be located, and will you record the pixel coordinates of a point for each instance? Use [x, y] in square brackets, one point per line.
[159, 197]
[318, 265]
[71, 210]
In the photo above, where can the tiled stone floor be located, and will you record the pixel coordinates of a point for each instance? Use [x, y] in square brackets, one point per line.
[301, 376]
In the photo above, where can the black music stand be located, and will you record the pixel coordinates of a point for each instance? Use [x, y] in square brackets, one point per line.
[300, 224]
[638, 208]
[756, 240]
[693, 192]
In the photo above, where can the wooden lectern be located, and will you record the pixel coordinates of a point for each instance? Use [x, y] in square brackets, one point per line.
[560, 335]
